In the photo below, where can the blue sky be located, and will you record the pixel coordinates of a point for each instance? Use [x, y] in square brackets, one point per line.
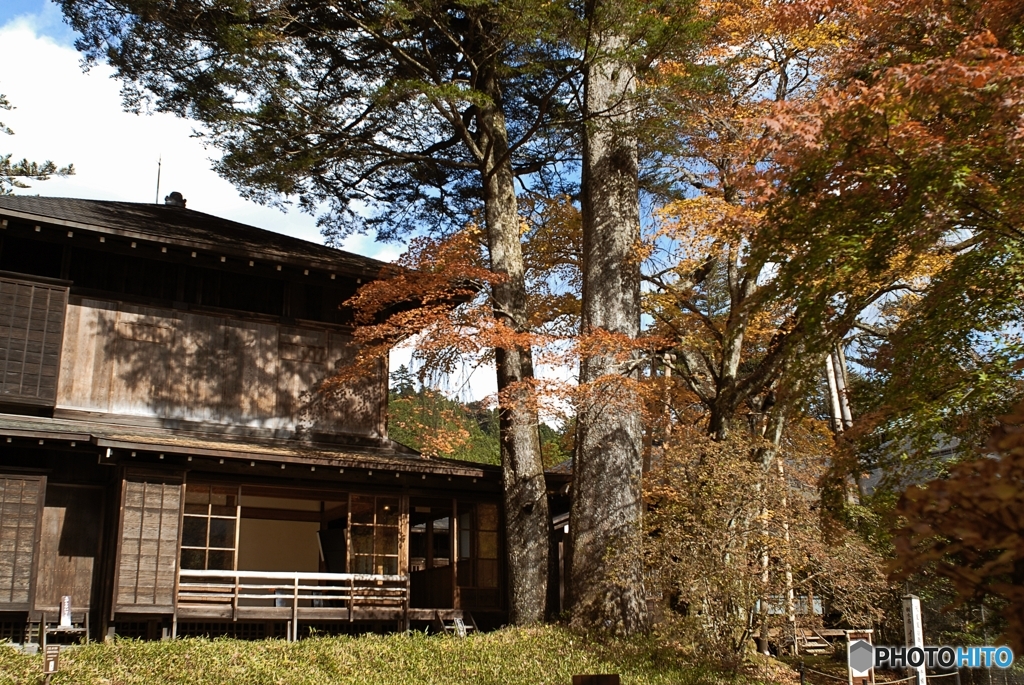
[46, 15]
[66, 115]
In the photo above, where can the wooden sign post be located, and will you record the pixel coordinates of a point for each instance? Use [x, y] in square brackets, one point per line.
[860, 657]
[914, 631]
[51, 661]
[602, 679]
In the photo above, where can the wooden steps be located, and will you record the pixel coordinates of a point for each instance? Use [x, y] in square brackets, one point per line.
[812, 642]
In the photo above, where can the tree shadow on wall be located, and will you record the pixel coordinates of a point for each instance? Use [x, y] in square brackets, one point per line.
[247, 378]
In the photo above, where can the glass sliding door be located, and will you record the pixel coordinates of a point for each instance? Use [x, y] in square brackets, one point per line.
[375, 534]
[478, 550]
[209, 533]
[430, 549]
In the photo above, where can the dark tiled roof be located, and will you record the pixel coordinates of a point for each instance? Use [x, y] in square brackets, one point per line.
[389, 456]
[187, 227]
[562, 468]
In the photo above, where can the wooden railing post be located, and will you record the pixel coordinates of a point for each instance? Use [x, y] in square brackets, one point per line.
[405, 604]
[234, 600]
[295, 609]
[351, 599]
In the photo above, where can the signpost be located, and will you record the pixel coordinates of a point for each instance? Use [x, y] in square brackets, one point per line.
[51, 661]
[860, 657]
[914, 631]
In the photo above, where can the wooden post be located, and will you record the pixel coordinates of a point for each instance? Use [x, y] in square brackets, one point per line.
[177, 547]
[348, 535]
[405, 603]
[403, 534]
[453, 532]
[914, 631]
[234, 601]
[351, 599]
[598, 679]
[295, 610]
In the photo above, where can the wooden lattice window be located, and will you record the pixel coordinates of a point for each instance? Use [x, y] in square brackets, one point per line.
[31, 335]
[209, 533]
[21, 505]
[148, 552]
[374, 534]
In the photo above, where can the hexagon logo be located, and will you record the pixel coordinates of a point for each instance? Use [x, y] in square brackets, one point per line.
[862, 657]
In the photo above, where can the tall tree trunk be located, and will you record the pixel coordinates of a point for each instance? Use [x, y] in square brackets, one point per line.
[840, 413]
[842, 384]
[774, 426]
[834, 400]
[527, 521]
[606, 571]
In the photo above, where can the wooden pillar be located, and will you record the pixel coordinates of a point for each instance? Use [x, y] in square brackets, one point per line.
[403, 535]
[348, 536]
[453, 528]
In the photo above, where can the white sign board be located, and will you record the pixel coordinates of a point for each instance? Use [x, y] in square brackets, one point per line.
[860, 657]
[914, 630]
[65, 612]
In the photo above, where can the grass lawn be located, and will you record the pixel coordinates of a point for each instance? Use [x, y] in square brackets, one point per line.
[547, 655]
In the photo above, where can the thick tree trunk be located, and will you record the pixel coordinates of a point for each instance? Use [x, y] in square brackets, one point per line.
[605, 527]
[527, 521]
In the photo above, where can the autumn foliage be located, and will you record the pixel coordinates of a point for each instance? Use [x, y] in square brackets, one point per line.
[969, 527]
[722, 529]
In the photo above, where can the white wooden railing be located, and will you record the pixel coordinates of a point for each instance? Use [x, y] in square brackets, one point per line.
[287, 594]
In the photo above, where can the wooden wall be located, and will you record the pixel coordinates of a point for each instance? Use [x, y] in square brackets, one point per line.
[177, 365]
[69, 546]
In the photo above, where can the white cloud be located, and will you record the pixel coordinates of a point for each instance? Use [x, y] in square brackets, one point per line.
[66, 115]
[69, 116]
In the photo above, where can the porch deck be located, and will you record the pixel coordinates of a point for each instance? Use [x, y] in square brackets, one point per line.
[292, 597]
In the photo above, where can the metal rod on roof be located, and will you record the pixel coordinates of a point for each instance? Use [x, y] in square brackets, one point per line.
[159, 163]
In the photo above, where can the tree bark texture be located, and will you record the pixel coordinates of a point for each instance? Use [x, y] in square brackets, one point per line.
[606, 570]
[527, 522]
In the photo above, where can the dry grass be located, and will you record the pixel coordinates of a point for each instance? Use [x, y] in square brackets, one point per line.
[549, 655]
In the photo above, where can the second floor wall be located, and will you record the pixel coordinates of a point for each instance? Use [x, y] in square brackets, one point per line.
[174, 368]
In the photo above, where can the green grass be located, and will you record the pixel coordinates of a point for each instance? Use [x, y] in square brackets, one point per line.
[548, 655]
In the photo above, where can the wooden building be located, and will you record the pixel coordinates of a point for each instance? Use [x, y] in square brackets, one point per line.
[169, 460]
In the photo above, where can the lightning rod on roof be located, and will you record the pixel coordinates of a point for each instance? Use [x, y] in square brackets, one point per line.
[159, 163]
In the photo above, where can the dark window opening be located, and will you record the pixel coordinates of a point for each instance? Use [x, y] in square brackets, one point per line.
[154, 279]
[314, 303]
[26, 256]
